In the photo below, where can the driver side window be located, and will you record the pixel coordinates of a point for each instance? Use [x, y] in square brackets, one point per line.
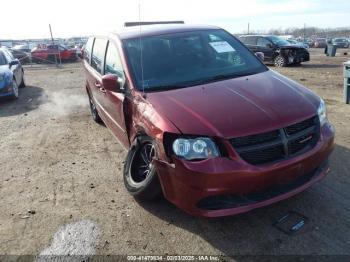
[113, 64]
[264, 42]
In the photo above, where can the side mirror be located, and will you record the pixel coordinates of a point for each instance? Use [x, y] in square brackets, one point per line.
[111, 83]
[269, 45]
[260, 55]
[14, 62]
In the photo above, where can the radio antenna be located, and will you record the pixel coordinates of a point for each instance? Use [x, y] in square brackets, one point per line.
[141, 53]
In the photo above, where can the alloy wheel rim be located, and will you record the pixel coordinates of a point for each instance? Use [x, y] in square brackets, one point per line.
[142, 163]
[279, 62]
[15, 88]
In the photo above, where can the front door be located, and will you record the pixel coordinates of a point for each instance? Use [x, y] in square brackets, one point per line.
[114, 100]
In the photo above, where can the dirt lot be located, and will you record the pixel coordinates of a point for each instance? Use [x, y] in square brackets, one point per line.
[58, 167]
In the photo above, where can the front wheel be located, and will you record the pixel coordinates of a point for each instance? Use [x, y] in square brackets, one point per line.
[140, 176]
[15, 92]
[23, 82]
[280, 61]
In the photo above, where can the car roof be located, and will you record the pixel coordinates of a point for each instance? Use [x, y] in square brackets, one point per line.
[154, 30]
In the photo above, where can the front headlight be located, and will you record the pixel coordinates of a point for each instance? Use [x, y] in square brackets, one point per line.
[2, 77]
[196, 148]
[322, 112]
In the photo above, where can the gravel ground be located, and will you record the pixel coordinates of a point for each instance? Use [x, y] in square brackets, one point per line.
[61, 177]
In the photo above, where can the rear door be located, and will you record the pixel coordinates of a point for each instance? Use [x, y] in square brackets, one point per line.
[95, 74]
[87, 65]
[250, 42]
[265, 45]
[113, 101]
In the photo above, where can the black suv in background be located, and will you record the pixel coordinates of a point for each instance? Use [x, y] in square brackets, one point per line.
[276, 50]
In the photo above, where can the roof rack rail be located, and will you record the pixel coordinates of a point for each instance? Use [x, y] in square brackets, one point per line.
[128, 24]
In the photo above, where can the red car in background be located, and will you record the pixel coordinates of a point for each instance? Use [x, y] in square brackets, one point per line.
[44, 53]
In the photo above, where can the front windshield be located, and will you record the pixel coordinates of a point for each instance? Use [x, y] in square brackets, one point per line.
[187, 59]
[278, 41]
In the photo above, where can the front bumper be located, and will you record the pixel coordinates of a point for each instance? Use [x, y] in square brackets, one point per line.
[226, 186]
[6, 91]
[299, 57]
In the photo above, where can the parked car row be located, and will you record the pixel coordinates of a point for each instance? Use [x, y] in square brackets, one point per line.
[45, 53]
[340, 42]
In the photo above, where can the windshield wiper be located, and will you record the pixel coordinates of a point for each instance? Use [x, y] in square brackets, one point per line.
[197, 82]
[222, 77]
[164, 87]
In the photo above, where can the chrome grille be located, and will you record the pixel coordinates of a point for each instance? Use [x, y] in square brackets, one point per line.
[278, 144]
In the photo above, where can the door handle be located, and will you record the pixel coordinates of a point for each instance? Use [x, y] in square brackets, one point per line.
[102, 90]
[97, 84]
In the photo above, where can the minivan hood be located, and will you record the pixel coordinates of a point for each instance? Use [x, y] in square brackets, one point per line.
[236, 107]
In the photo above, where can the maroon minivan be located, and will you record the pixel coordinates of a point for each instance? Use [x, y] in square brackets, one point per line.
[205, 122]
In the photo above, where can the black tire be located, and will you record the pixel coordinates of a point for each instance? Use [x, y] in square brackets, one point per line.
[15, 92]
[95, 116]
[23, 82]
[141, 178]
[280, 61]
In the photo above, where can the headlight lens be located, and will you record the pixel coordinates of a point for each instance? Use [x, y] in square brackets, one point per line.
[322, 112]
[196, 148]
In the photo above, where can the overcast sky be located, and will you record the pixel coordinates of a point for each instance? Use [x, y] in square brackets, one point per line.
[30, 18]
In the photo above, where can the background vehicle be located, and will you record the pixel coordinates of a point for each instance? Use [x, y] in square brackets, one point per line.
[276, 50]
[205, 122]
[22, 53]
[320, 43]
[340, 42]
[49, 52]
[11, 74]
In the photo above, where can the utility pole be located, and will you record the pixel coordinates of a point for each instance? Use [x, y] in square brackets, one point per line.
[304, 32]
[53, 42]
[248, 29]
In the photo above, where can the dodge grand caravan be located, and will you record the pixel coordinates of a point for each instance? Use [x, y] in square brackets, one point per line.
[205, 122]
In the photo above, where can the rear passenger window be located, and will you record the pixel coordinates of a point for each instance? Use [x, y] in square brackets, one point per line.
[250, 40]
[88, 49]
[98, 53]
[113, 63]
